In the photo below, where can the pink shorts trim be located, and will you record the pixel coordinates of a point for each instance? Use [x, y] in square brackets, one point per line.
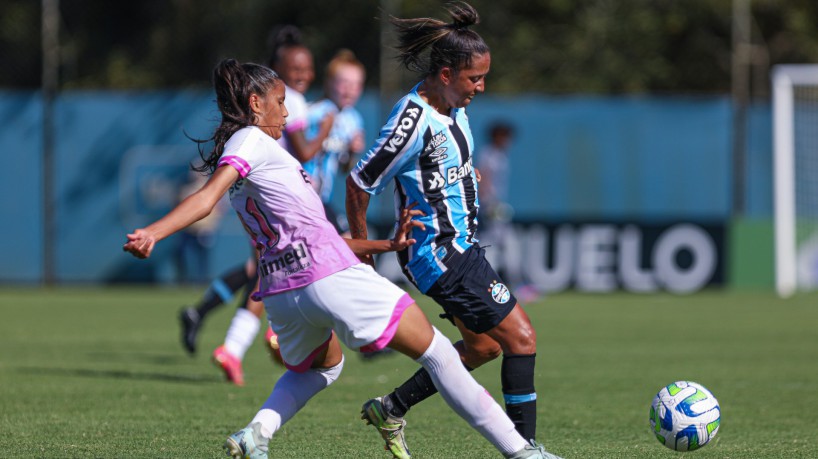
[404, 302]
[307, 363]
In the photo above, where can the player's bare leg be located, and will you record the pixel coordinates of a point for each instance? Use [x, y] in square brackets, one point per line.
[290, 394]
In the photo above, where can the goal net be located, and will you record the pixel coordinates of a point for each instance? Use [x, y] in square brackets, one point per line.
[795, 162]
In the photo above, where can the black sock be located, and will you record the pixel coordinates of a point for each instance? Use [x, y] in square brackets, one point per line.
[251, 285]
[415, 390]
[517, 376]
[222, 290]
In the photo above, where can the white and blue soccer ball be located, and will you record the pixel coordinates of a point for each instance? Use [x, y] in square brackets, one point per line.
[684, 416]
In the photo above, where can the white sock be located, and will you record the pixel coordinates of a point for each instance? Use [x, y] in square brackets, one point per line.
[291, 393]
[243, 330]
[468, 398]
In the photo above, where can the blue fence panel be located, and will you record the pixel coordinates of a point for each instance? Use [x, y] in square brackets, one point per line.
[580, 157]
[121, 156]
[21, 203]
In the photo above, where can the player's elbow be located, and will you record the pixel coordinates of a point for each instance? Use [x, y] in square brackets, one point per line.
[353, 190]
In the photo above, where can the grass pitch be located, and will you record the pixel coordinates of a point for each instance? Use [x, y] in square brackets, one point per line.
[99, 372]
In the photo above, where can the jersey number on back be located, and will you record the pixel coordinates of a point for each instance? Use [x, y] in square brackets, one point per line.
[252, 208]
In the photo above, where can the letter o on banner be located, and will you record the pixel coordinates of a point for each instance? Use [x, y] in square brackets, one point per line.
[703, 251]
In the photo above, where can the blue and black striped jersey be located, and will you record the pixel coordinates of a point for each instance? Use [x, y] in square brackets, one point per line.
[429, 157]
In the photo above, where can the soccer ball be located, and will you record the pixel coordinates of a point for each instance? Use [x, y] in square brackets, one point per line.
[684, 416]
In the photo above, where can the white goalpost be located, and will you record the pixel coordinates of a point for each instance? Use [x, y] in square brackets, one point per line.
[795, 164]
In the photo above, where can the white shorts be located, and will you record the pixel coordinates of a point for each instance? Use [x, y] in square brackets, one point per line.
[361, 306]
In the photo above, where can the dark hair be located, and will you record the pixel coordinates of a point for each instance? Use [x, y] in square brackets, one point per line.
[450, 44]
[283, 37]
[234, 83]
[500, 128]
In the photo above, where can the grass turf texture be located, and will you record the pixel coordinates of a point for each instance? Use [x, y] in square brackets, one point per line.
[99, 372]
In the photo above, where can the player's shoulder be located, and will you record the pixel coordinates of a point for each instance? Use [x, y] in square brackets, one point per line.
[249, 139]
[321, 107]
[409, 112]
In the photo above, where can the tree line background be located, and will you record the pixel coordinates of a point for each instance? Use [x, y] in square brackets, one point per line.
[551, 46]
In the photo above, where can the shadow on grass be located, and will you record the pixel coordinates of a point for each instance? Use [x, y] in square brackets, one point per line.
[143, 357]
[122, 374]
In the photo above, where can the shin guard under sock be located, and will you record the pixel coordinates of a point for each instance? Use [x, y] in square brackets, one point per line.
[517, 376]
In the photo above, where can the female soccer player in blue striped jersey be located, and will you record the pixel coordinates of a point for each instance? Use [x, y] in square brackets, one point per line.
[425, 148]
[316, 291]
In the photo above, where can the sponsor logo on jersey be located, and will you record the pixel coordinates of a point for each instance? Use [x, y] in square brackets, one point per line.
[288, 261]
[437, 181]
[405, 126]
[454, 174]
[434, 150]
[499, 292]
[379, 161]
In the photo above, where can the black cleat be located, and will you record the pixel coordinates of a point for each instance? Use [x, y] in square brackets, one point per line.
[190, 321]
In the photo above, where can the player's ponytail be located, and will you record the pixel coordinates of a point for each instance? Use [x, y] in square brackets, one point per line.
[449, 44]
[233, 84]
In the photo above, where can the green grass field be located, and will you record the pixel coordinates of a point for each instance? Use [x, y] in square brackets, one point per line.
[93, 372]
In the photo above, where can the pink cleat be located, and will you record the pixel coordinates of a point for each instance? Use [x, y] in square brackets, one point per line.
[230, 364]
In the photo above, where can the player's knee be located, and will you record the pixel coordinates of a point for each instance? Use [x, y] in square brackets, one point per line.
[526, 340]
[521, 340]
[332, 373]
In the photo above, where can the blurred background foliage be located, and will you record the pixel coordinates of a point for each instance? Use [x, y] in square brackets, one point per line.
[552, 46]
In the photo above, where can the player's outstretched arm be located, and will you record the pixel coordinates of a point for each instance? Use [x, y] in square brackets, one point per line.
[303, 149]
[193, 208]
[402, 239]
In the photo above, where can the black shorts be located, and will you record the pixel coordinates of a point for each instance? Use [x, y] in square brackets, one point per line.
[473, 292]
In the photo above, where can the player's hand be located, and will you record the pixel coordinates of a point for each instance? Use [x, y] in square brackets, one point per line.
[326, 124]
[140, 243]
[477, 175]
[357, 144]
[405, 226]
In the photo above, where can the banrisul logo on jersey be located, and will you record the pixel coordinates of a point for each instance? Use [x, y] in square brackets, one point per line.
[454, 174]
[499, 292]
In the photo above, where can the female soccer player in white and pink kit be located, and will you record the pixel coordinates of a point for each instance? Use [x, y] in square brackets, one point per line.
[316, 291]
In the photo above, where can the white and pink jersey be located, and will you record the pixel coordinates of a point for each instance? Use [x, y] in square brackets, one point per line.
[280, 209]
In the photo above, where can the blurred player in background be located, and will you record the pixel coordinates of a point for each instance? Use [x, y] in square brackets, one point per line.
[316, 291]
[495, 211]
[493, 163]
[343, 85]
[425, 147]
[197, 240]
[293, 61]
